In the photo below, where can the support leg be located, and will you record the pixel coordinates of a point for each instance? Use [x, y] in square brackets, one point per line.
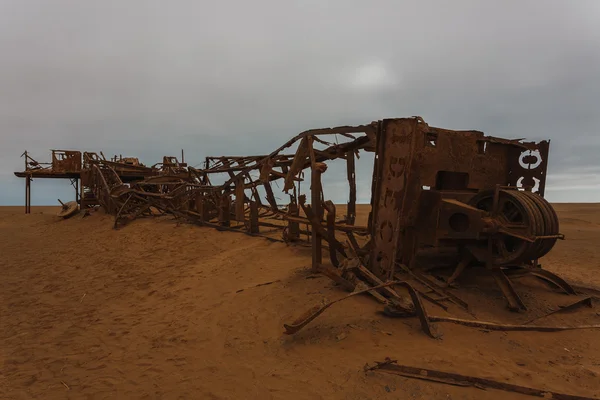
[293, 227]
[254, 225]
[317, 250]
[225, 210]
[239, 201]
[464, 263]
[351, 211]
[28, 195]
[77, 198]
[514, 301]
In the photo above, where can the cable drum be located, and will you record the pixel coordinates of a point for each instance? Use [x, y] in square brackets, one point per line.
[550, 219]
[525, 214]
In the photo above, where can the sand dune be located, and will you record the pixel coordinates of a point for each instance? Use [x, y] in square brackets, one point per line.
[160, 310]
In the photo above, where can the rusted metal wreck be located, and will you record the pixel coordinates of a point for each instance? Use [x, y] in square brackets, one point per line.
[455, 200]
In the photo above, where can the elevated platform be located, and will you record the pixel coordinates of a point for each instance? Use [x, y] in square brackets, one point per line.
[126, 176]
[48, 174]
[76, 167]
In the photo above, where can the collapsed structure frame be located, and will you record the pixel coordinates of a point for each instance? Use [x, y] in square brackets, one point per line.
[423, 181]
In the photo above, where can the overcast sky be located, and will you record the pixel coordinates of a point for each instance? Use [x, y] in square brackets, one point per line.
[147, 78]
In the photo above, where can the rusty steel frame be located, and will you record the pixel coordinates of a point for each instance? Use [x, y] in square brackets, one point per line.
[425, 187]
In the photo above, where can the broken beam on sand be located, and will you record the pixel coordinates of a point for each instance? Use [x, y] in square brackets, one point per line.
[507, 327]
[449, 378]
[315, 311]
[573, 306]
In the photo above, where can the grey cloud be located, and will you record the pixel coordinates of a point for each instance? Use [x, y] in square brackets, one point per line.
[148, 78]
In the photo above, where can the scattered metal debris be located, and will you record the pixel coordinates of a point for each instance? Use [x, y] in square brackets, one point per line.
[259, 285]
[68, 209]
[392, 367]
[397, 307]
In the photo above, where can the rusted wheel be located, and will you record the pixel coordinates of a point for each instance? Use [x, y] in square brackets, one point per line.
[68, 209]
[515, 214]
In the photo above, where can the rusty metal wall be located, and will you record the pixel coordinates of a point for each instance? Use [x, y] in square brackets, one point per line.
[413, 158]
[394, 157]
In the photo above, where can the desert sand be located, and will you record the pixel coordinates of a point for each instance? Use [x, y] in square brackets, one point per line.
[158, 310]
